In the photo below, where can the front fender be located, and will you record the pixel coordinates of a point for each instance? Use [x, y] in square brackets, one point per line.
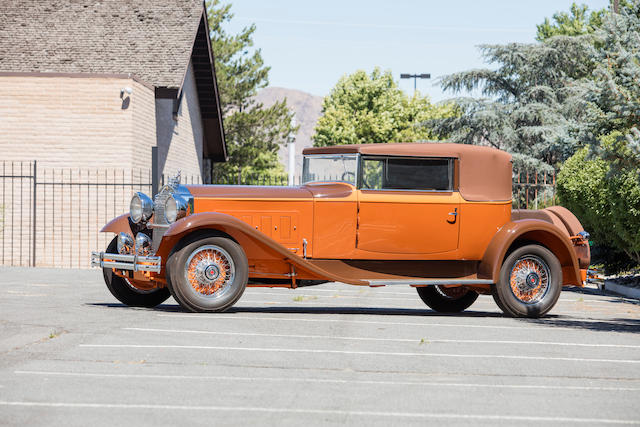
[533, 230]
[241, 231]
[117, 225]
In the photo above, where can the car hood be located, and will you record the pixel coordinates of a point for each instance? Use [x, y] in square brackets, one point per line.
[249, 192]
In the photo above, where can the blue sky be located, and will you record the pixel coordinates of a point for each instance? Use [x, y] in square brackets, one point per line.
[309, 45]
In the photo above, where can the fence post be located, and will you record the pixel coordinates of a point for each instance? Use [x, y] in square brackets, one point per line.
[154, 171]
[33, 216]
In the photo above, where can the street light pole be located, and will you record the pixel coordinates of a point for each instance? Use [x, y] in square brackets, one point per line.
[415, 78]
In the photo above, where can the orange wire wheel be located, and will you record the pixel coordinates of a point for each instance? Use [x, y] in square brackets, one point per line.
[529, 279]
[210, 271]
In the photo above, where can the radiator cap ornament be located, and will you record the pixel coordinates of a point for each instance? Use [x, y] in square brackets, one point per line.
[174, 181]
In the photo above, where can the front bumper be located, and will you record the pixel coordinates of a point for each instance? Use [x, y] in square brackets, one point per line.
[126, 262]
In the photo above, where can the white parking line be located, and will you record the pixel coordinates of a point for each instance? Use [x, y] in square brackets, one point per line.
[326, 381]
[424, 415]
[368, 353]
[414, 340]
[372, 322]
[365, 322]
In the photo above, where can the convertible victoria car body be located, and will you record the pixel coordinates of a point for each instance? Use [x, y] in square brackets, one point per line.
[436, 217]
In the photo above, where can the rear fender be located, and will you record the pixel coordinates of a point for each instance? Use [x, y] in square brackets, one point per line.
[536, 231]
[257, 245]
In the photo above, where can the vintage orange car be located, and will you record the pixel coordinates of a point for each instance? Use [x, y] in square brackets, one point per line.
[436, 217]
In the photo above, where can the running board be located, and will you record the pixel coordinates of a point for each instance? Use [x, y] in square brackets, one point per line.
[429, 282]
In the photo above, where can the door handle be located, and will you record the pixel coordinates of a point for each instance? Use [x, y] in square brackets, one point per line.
[455, 216]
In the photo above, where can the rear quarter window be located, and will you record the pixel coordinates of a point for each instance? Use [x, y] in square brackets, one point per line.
[407, 174]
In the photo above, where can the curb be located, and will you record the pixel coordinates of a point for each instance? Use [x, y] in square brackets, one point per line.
[610, 286]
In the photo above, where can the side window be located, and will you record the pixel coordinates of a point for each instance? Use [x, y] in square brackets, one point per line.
[372, 174]
[407, 174]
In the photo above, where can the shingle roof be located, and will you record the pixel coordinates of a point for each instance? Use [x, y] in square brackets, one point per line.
[151, 39]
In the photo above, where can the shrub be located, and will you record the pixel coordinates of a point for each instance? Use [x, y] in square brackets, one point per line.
[607, 204]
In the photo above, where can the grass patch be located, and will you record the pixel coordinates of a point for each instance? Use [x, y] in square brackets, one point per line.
[301, 298]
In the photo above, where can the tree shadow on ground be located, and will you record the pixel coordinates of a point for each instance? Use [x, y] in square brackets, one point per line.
[598, 325]
[610, 297]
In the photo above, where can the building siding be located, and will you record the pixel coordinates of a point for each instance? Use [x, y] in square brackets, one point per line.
[180, 140]
[95, 147]
[76, 122]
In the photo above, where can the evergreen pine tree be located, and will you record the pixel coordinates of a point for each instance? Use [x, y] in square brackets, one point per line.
[532, 106]
[253, 132]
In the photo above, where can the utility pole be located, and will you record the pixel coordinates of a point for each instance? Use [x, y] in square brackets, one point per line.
[292, 152]
[415, 78]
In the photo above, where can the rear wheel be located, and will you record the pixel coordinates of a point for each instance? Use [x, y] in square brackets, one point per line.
[208, 274]
[530, 282]
[447, 300]
[126, 293]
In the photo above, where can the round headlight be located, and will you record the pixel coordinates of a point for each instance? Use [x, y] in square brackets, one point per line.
[175, 208]
[140, 208]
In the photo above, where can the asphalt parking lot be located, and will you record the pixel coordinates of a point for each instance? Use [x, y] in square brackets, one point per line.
[70, 354]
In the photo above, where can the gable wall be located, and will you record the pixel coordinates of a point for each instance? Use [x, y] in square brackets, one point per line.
[76, 122]
[180, 140]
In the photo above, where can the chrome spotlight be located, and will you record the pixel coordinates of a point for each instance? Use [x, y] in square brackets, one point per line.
[125, 244]
[140, 208]
[143, 244]
[175, 208]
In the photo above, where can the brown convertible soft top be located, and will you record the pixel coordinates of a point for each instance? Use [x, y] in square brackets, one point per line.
[485, 173]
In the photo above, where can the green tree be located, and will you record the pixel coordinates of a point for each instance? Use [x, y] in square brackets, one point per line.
[606, 202]
[253, 132]
[371, 108]
[531, 106]
[615, 90]
[575, 23]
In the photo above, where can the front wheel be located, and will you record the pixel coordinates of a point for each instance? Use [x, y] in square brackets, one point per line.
[447, 300]
[208, 274]
[530, 282]
[128, 294]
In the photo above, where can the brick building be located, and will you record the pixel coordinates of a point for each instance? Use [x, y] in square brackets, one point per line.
[96, 84]
[87, 88]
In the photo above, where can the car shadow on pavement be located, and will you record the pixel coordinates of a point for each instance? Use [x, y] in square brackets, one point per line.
[381, 311]
[561, 321]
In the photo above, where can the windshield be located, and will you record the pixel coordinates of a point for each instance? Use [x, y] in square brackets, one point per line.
[337, 167]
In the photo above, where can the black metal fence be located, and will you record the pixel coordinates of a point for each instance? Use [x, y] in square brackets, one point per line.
[253, 179]
[533, 190]
[52, 217]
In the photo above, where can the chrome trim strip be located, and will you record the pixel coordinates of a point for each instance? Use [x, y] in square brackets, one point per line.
[382, 282]
[151, 225]
[126, 262]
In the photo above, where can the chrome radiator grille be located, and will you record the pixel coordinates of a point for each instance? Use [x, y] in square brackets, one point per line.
[158, 206]
[158, 217]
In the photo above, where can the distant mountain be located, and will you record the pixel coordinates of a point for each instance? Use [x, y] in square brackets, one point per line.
[308, 109]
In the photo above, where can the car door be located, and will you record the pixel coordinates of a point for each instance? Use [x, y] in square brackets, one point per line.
[407, 205]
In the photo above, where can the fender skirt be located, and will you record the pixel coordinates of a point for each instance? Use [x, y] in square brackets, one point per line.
[535, 231]
[238, 229]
